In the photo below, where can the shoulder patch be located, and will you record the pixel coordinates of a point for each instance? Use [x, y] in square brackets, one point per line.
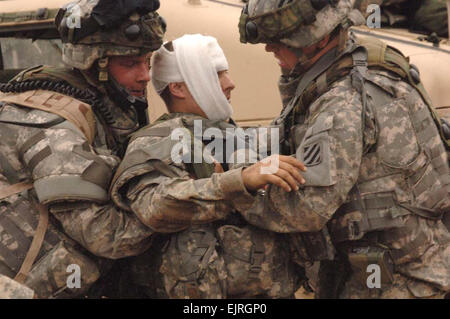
[315, 153]
[312, 154]
[16, 114]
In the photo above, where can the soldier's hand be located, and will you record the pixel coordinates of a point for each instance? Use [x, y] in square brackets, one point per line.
[218, 167]
[280, 170]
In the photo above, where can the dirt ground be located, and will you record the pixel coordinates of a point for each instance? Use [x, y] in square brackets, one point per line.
[303, 294]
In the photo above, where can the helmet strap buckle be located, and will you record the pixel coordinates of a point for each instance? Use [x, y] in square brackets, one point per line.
[102, 69]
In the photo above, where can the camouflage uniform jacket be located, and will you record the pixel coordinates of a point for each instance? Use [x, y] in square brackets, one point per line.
[211, 252]
[165, 197]
[70, 174]
[384, 183]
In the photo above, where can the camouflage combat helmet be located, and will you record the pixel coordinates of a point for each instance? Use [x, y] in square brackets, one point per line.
[296, 23]
[95, 29]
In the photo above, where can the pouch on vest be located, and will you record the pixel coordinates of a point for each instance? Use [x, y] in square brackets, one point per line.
[257, 263]
[368, 260]
[190, 262]
[314, 246]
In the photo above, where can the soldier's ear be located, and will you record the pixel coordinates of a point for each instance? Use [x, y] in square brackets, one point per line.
[178, 90]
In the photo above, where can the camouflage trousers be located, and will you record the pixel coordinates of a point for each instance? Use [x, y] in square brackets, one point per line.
[216, 262]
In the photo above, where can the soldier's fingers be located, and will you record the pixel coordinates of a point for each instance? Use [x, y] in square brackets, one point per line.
[275, 180]
[287, 178]
[293, 171]
[218, 167]
[293, 161]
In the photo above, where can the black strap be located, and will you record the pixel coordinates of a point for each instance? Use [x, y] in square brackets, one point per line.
[98, 172]
[36, 125]
[358, 75]
[33, 140]
[424, 212]
[39, 157]
[256, 255]
[319, 67]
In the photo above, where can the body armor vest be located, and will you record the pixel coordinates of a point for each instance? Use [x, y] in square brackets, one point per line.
[379, 202]
[135, 164]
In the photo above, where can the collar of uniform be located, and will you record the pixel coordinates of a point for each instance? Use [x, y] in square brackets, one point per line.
[287, 87]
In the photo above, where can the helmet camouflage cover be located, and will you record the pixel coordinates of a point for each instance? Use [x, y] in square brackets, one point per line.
[296, 23]
[94, 29]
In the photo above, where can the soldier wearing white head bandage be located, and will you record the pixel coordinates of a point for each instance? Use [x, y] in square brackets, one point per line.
[208, 250]
[195, 60]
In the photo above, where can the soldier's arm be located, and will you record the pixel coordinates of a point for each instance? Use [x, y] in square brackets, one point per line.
[332, 152]
[103, 229]
[72, 179]
[166, 197]
[175, 204]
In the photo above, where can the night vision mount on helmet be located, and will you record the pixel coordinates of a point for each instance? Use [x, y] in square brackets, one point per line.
[91, 30]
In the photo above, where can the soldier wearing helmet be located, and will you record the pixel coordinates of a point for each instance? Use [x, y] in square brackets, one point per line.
[63, 134]
[377, 180]
[211, 252]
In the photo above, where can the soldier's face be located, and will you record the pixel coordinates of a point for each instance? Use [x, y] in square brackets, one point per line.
[286, 58]
[131, 72]
[187, 103]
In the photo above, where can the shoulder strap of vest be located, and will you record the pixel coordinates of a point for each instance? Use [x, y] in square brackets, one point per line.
[202, 169]
[358, 74]
[381, 56]
[139, 156]
[78, 113]
[199, 170]
[321, 66]
[318, 68]
[389, 58]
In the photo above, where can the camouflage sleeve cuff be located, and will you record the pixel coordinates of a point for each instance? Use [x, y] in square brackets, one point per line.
[234, 190]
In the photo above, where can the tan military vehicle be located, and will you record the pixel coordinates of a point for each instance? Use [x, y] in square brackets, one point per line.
[255, 72]
[28, 37]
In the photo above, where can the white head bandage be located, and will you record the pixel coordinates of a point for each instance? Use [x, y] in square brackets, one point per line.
[196, 60]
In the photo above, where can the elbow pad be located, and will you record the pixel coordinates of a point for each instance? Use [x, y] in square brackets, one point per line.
[64, 167]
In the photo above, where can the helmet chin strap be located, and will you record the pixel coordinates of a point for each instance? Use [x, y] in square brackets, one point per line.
[124, 99]
[304, 60]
